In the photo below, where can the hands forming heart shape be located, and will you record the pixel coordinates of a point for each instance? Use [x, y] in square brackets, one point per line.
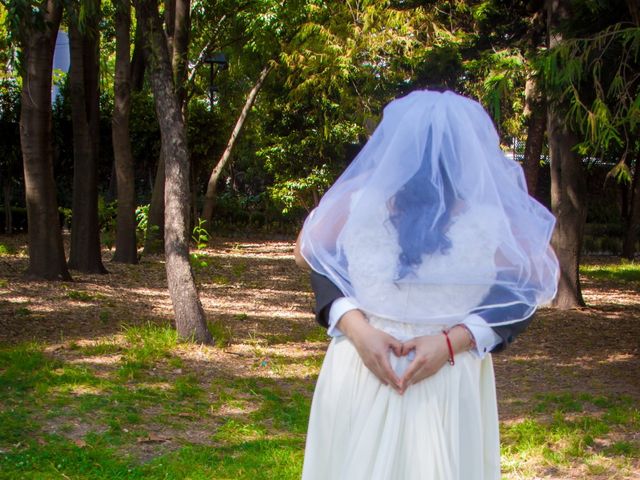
[430, 352]
[374, 346]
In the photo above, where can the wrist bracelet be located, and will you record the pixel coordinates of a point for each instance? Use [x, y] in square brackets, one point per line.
[451, 356]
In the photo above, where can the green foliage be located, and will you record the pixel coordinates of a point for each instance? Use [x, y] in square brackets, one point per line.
[7, 249]
[199, 235]
[142, 221]
[107, 212]
[142, 217]
[302, 192]
[595, 76]
[502, 90]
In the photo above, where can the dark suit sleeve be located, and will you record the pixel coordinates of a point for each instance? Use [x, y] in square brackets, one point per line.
[507, 333]
[326, 292]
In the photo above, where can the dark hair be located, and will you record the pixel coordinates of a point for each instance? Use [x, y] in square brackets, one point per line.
[414, 207]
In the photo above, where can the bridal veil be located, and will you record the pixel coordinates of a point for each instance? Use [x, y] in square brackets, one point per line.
[453, 214]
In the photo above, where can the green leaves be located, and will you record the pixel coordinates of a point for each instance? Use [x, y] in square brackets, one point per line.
[302, 192]
[596, 78]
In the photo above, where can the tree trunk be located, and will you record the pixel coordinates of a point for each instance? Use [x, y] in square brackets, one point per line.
[568, 202]
[177, 20]
[633, 218]
[210, 196]
[138, 62]
[154, 236]
[85, 254]
[568, 185]
[536, 108]
[179, 48]
[180, 58]
[46, 251]
[126, 244]
[190, 319]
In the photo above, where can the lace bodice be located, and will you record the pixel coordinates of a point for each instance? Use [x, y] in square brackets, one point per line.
[372, 251]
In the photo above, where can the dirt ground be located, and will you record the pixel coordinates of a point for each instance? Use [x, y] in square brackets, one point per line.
[252, 290]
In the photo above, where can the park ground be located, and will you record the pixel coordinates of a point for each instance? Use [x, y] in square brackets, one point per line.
[95, 385]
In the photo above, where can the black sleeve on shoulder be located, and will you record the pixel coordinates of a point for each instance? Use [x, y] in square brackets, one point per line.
[325, 292]
[507, 333]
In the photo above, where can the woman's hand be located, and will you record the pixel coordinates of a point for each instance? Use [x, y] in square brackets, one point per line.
[431, 353]
[372, 345]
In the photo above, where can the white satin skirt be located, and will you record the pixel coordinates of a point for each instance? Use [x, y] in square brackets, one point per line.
[442, 428]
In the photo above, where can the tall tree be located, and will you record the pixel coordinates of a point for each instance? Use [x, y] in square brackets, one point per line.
[568, 186]
[210, 195]
[593, 72]
[126, 251]
[180, 49]
[36, 25]
[189, 314]
[84, 36]
[177, 20]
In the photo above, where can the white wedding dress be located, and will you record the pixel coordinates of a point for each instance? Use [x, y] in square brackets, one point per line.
[443, 428]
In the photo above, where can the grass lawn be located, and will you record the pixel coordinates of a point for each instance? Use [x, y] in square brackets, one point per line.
[95, 385]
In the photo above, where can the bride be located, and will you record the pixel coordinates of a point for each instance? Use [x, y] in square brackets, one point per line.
[426, 254]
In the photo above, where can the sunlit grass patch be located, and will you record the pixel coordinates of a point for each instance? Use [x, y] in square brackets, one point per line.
[262, 459]
[623, 271]
[578, 429]
[146, 344]
[101, 348]
[236, 430]
[53, 457]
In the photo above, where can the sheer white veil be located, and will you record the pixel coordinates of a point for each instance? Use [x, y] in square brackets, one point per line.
[431, 222]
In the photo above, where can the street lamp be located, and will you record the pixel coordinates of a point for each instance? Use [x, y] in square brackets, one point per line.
[218, 61]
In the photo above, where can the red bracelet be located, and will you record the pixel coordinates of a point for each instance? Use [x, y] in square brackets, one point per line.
[451, 356]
